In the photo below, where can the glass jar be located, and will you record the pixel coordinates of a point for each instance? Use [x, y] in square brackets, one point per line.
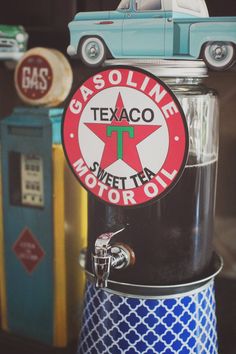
[172, 238]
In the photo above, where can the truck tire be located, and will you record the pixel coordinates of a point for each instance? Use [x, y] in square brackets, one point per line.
[219, 55]
[92, 51]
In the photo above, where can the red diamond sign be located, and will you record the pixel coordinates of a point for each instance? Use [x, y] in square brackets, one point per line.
[28, 250]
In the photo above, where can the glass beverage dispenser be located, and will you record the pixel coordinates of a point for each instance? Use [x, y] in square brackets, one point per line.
[150, 268]
[171, 238]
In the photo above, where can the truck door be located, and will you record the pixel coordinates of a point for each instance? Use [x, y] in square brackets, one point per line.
[144, 27]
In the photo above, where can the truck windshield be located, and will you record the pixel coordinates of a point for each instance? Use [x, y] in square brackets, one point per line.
[124, 5]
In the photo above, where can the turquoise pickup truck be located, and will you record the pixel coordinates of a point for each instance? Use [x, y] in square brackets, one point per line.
[171, 29]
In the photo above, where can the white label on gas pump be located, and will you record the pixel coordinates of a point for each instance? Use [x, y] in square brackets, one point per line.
[32, 181]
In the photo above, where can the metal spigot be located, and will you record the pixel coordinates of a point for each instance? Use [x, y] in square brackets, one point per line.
[107, 256]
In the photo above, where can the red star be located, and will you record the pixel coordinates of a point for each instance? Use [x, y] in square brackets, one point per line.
[130, 138]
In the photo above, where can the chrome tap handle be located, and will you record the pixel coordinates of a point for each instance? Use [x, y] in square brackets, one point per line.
[102, 244]
[108, 256]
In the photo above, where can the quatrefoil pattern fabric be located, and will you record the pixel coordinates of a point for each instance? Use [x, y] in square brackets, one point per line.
[178, 324]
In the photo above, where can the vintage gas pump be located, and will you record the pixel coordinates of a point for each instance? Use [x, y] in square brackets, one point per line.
[142, 137]
[44, 210]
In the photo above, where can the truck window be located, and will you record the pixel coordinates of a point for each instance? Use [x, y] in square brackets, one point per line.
[148, 5]
[189, 5]
[124, 5]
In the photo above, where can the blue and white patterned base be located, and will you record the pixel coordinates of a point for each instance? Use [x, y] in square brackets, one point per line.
[115, 324]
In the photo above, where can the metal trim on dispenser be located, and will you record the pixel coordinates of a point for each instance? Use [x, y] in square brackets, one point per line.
[166, 68]
[155, 291]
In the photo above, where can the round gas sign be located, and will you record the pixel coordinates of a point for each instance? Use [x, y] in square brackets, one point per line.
[125, 136]
[34, 77]
[38, 77]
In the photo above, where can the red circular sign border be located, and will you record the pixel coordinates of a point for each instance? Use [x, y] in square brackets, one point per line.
[76, 129]
[19, 70]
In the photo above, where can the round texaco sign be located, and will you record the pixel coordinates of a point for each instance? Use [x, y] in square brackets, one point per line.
[125, 136]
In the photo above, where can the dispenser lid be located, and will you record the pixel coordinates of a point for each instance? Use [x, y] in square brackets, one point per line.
[166, 68]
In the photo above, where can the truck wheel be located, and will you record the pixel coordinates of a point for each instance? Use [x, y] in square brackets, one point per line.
[92, 51]
[219, 55]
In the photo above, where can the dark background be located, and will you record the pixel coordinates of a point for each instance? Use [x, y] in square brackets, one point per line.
[46, 22]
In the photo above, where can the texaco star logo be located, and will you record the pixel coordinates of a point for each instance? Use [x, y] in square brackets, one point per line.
[125, 136]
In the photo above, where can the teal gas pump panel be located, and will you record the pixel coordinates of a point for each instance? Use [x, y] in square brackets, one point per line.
[27, 138]
[44, 212]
